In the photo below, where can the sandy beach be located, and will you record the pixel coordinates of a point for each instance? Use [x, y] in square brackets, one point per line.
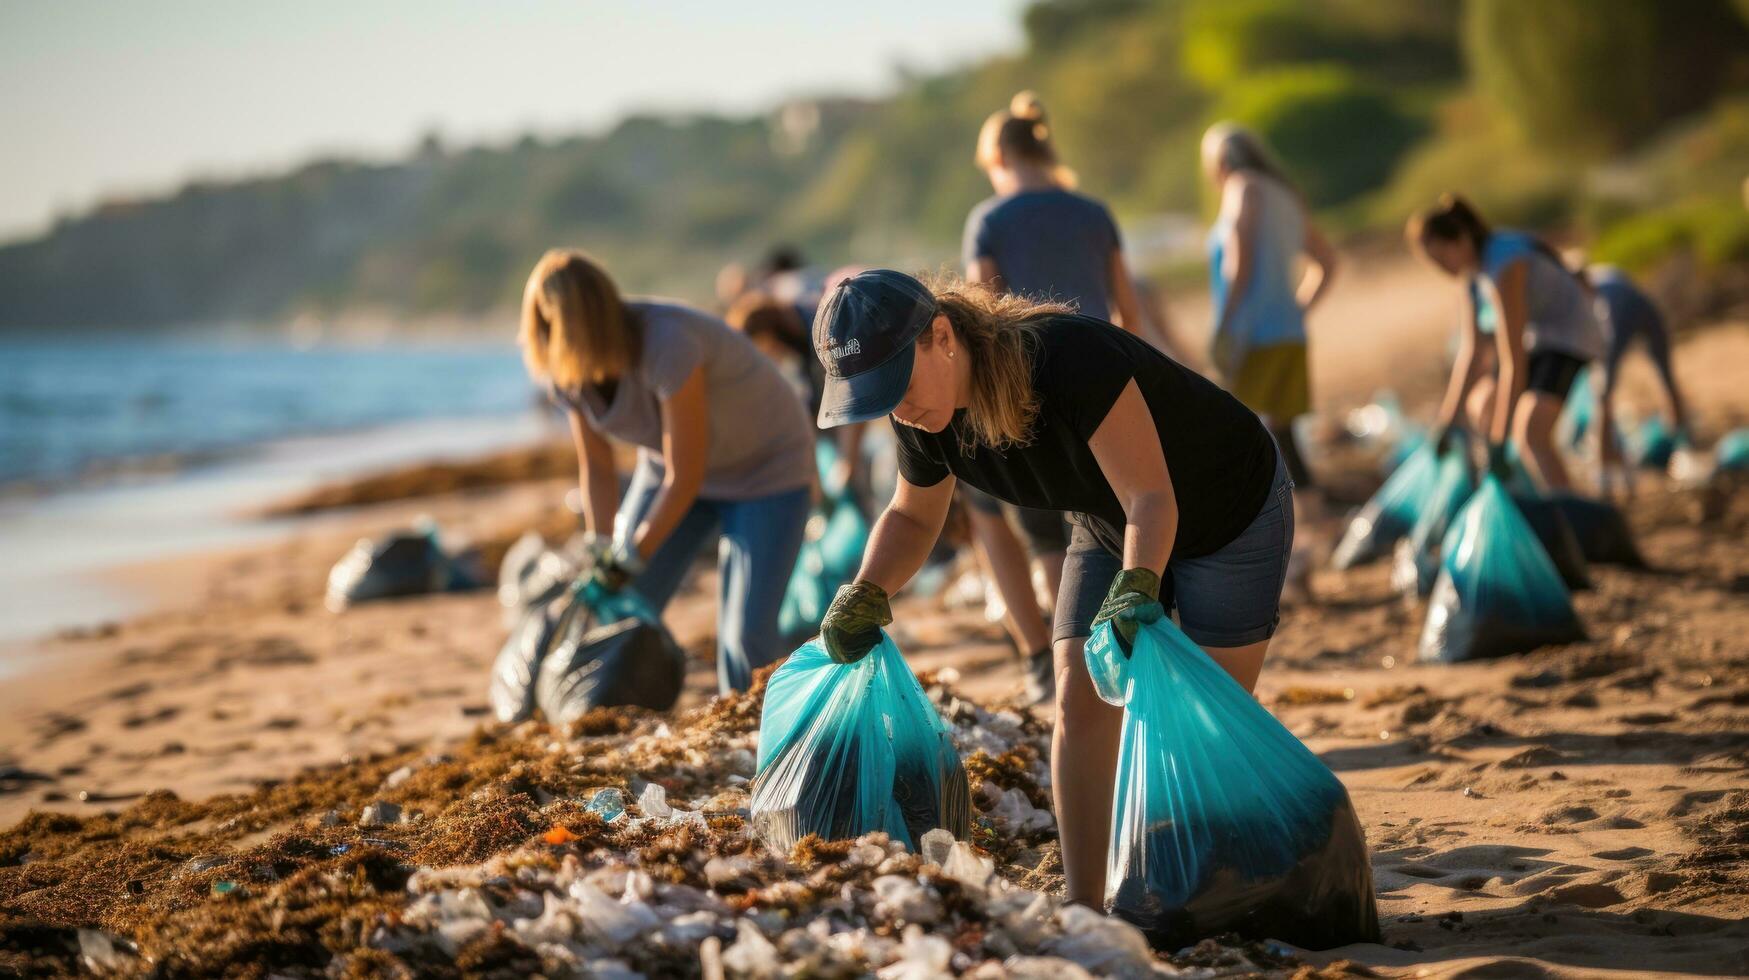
[1578, 811]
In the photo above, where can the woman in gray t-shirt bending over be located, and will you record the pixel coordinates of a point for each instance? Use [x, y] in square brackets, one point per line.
[723, 448]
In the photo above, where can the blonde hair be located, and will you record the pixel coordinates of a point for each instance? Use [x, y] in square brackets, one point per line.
[999, 332]
[1020, 133]
[575, 327]
[1241, 151]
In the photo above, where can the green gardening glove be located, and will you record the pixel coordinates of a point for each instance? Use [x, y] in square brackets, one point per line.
[1132, 601]
[852, 625]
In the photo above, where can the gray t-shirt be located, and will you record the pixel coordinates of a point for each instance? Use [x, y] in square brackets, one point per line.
[1558, 316]
[1047, 245]
[760, 440]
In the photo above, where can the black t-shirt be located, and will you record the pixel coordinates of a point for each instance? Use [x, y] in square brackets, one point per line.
[1220, 457]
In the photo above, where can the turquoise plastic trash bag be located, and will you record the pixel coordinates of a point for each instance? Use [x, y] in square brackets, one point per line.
[1391, 512]
[1222, 821]
[1497, 592]
[1416, 560]
[608, 648]
[1731, 452]
[1652, 444]
[848, 749]
[822, 566]
[1575, 418]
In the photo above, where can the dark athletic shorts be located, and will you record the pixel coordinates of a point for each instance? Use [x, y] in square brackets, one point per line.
[1552, 373]
[1044, 531]
[1228, 599]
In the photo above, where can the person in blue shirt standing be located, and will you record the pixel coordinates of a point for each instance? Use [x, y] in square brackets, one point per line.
[1039, 239]
[1260, 296]
[1545, 332]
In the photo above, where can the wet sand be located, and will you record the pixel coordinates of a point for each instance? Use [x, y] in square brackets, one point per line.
[1565, 813]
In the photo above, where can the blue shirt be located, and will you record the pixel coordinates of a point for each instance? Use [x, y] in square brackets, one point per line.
[1269, 312]
[1050, 244]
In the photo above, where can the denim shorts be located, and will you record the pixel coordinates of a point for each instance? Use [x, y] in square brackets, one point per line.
[1230, 598]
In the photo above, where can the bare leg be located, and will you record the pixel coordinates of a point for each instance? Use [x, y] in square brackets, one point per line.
[1051, 564]
[1083, 769]
[1533, 426]
[1480, 406]
[1005, 559]
[1084, 749]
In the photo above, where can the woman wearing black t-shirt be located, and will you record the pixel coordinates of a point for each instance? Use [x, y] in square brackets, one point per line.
[1175, 489]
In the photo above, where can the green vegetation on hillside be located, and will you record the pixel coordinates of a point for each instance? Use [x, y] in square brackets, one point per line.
[1613, 116]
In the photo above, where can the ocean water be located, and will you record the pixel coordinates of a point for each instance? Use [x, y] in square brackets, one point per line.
[242, 424]
[71, 406]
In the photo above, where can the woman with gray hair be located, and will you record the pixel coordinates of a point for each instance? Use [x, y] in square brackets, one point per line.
[1260, 296]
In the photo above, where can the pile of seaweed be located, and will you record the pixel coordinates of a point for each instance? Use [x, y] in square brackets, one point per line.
[617, 847]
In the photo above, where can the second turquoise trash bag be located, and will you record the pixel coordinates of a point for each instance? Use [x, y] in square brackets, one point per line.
[848, 749]
[1416, 562]
[1731, 452]
[1390, 513]
[1222, 820]
[1497, 592]
[1652, 444]
[823, 564]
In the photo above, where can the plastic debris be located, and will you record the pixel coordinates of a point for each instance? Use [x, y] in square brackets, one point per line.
[1498, 593]
[607, 804]
[1223, 821]
[403, 563]
[1390, 513]
[103, 952]
[845, 749]
[752, 955]
[379, 813]
[609, 649]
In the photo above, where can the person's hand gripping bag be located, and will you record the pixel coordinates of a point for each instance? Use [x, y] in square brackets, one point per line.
[1498, 593]
[1390, 513]
[611, 649]
[1222, 821]
[847, 749]
[1416, 562]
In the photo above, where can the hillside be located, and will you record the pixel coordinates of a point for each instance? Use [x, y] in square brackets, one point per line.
[1374, 105]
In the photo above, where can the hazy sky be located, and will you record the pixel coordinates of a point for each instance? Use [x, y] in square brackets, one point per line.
[132, 97]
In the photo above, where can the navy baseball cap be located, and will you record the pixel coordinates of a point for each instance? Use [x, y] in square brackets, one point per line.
[863, 335]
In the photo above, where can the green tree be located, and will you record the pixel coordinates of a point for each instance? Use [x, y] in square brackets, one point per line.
[1596, 76]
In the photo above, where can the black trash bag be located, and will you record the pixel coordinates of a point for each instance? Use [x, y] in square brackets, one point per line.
[1498, 592]
[610, 650]
[517, 669]
[1547, 520]
[1223, 821]
[533, 574]
[401, 563]
[1601, 530]
[848, 749]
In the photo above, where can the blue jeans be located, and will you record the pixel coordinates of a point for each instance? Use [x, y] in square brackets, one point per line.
[756, 553]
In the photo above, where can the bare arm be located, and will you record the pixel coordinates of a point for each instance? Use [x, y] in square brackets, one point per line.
[905, 532]
[1123, 299]
[1316, 283]
[1464, 369]
[685, 440]
[597, 479]
[1509, 338]
[1127, 448]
